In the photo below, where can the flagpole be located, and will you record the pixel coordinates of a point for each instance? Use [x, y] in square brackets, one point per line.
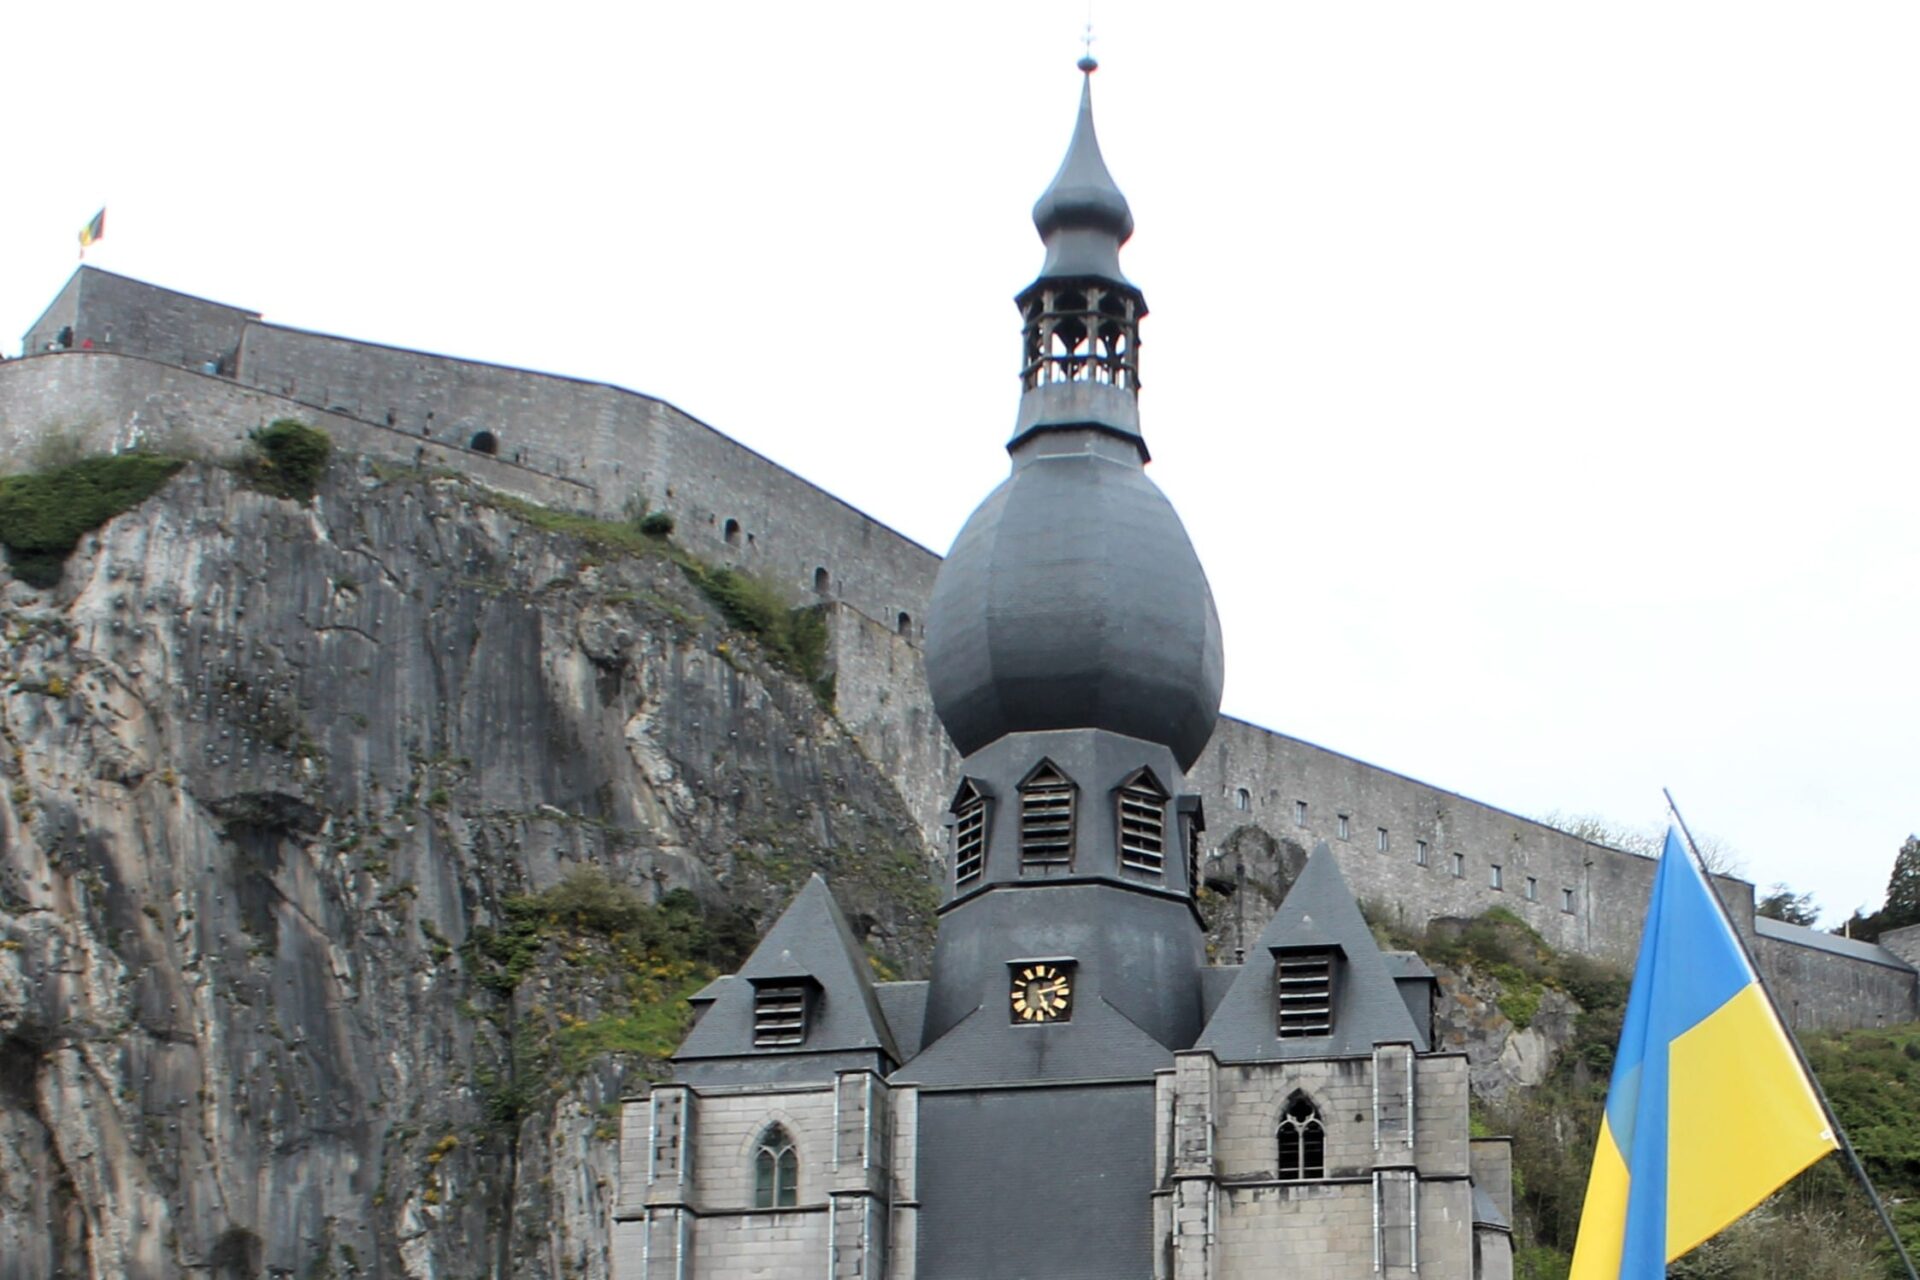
[1806, 1068]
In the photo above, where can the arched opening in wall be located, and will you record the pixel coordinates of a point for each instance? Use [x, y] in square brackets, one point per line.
[905, 623]
[1243, 799]
[732, 531]
[484, 442]
[822, 582]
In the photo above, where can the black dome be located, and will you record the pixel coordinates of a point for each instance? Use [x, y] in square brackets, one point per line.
[1073, 599]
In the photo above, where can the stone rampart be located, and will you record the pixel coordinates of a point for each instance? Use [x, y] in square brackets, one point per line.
[730, 504]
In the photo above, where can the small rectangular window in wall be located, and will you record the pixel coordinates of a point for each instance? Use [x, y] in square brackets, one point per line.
[1533, 889]
[1459, 866]
[1380, 839]
[1344, 831]
[779, 1015]
[1397, 1214]
[1566, 900]
[1303, 993]
[1420, 853]
[1299, 813]
[1496, 878]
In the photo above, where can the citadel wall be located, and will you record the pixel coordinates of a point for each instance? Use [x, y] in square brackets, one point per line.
[597, 448]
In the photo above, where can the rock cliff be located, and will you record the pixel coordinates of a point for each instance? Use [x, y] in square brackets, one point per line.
[338, 888]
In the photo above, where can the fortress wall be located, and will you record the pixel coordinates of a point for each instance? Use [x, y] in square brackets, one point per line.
[634, 451]
[881, 695]
[109, 402]
[1821, 991]
[139, 319]
[1278, 772]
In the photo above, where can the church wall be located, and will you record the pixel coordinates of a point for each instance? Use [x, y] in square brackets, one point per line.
[1010, 1177]
[729, 1127]
[760, 1246]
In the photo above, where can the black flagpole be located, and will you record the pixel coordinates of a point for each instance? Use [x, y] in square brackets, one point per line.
[1806, 1068]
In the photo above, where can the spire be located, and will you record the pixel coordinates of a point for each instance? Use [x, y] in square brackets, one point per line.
[1082, 216]
[1082, 316]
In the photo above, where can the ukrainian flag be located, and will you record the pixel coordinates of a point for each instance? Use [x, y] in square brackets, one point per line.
[1708, 1112]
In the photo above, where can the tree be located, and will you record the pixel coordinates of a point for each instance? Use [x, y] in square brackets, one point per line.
[1903, 888]
[1722, 859]
[1782, 903]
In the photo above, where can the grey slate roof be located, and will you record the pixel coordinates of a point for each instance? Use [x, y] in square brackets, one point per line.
[1319, 911]
[905, 1007]
[1801, 936]
[813, 939]
[1083, 194]
[1486, 1213]
[978, 1049]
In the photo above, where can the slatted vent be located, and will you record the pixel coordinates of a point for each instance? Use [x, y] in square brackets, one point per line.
[1143, 824]
[1303, 993]
[969, 834]
[1046, 818]
[779, 1015]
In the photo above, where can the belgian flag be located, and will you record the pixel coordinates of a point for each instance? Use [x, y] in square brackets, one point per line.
[94, 229]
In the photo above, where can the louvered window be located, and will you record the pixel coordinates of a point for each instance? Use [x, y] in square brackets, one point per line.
[1046, 818]
[1303, 1142]
[780, 1014]
[1194, 827]
[1303, 993]
[1143, 823]
[969, 834]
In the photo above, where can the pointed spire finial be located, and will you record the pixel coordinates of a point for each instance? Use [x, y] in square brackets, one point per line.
[1088, 63]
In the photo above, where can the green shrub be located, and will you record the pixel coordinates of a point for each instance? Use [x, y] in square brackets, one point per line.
[656, 524]
[44, 515]
[794, 639]
[287, 458]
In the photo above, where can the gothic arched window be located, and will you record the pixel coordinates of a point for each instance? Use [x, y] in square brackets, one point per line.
[1303, 1141]
[776, 1171]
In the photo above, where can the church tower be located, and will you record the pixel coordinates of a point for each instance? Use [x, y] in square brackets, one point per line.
[1074, 1093]
[1073, 654]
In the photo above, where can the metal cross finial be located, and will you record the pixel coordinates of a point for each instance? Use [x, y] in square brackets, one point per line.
[1088, 63]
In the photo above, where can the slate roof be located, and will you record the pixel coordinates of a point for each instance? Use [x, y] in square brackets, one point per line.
[1833, 944]
[905, 1006]
[978, 1049]
[810, 939]
[1319, 911]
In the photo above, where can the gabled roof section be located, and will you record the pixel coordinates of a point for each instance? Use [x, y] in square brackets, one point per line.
[810, 940]
[1319, 912]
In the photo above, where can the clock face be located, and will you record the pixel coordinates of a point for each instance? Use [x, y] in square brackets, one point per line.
[1041, 993]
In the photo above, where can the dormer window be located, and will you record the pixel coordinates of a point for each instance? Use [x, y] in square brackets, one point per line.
[782, 1008]
[1046, 818]
[1143, 823]
[1303, 984]
[969, 833]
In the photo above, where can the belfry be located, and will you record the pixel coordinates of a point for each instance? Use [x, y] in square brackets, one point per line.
[1076, 1091]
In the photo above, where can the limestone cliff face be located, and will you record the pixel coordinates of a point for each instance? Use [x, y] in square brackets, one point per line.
[271, 769]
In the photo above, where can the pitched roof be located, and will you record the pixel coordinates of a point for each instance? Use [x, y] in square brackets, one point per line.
[1319, 911]
[813, 940]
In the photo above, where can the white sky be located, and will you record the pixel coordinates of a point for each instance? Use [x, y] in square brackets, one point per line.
[1537, 381]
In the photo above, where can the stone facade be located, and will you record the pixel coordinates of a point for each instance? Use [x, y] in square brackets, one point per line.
[592, 447]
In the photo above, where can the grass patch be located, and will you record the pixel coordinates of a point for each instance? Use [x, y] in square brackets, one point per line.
[287, 458]
[44, 515]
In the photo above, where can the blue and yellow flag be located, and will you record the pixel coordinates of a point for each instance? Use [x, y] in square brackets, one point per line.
[1708, 1112]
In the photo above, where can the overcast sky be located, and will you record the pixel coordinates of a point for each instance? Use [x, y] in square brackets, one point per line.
[1537, 381]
